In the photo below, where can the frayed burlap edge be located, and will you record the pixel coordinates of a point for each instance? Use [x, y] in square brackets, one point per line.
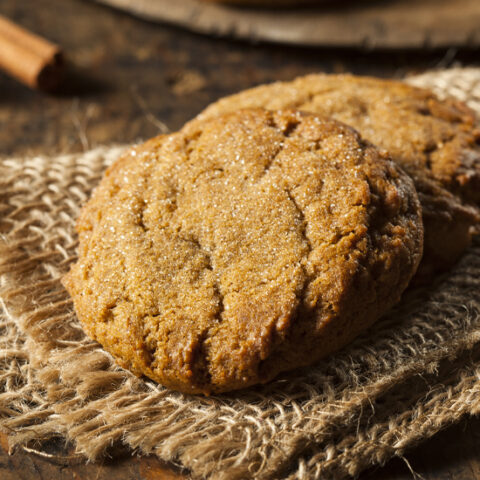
[358, 408]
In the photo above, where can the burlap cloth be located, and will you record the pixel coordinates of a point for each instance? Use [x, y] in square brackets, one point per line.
[415, 372]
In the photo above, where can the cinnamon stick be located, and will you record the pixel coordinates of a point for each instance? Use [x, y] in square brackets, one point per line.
[34, 61]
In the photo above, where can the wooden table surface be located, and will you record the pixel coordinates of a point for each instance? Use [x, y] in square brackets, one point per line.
[127, 80]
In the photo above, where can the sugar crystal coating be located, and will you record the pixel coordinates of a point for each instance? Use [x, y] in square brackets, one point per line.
[434, 141]
[242, 246]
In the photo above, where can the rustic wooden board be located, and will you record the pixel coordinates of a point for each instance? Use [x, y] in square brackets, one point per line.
[360, 23]
[451, 455]
[129, 76]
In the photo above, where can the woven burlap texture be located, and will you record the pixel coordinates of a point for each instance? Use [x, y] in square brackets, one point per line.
[416, 371]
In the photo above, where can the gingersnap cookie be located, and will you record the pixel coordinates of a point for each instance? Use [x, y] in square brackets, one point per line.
[434, 141]
[242, 246]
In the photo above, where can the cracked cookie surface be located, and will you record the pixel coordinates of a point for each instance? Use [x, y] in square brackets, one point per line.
[253, 243]
[434, 141]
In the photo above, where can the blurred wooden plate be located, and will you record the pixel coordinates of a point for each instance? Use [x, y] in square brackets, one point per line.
[355, 23]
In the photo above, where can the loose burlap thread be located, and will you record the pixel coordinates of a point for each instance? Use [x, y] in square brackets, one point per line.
[415, 372]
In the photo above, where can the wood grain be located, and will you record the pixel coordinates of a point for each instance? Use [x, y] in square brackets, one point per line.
[452, 455]
[30, 466]
[372, 24]
[127, 78]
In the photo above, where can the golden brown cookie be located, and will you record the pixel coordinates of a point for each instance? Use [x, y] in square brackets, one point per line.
[245, 245]
[434, 141]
